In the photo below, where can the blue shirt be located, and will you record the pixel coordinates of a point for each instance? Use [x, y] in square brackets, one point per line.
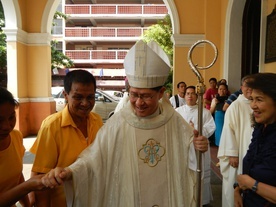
[233, 96]
[260, 163]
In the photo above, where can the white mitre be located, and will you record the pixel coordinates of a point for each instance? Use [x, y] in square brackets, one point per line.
[146, 65]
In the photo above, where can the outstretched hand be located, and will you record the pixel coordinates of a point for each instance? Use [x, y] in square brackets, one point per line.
[201, 143]
[56, 177]
[36, 182]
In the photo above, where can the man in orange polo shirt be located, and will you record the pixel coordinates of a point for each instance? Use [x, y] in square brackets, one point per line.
[64, 135]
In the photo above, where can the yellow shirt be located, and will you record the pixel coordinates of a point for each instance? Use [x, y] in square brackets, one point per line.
[58, 144]
[11, 163]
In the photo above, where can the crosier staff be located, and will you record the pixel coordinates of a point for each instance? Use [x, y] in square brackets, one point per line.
[200, 90]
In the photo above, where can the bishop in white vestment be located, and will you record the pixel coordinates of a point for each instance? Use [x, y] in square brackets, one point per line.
[144, 155]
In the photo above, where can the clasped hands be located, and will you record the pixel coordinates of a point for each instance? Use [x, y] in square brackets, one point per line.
[56, 177]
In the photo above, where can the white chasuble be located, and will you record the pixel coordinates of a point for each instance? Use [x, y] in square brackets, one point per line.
[152, 166]
[137, 162]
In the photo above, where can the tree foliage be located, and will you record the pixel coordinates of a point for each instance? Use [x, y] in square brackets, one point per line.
[161, 33]
[3, 44]
[59, 60]
[59, 14]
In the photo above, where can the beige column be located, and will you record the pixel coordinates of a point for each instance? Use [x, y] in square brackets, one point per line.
[193, 19]
[182, 70]
[29, 77]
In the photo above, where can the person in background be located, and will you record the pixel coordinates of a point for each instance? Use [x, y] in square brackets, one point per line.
[235, 138]
[210, 93]
[225, 82]
[231, 98]
[179, 99]
[12, 185]
[122, 103]
[189, 112]
[216, 109]
[222, 81]
[144, 155]
[257, 184]
[64, 135]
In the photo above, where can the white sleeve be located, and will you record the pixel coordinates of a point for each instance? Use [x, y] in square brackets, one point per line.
[193, 160]
[172, 100]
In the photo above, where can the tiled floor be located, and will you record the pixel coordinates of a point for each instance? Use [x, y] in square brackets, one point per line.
[214, 161]
[216, 179]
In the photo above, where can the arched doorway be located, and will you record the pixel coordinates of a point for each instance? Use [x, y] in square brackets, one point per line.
[251, 37]
[242, 40]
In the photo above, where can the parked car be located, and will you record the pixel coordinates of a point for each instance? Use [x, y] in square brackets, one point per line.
[104, 104]
[55, 90]
[117, 95]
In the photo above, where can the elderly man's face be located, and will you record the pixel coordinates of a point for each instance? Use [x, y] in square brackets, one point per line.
[81, 99]
[145, 101]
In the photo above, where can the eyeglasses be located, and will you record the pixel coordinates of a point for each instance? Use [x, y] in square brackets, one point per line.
[144, 97]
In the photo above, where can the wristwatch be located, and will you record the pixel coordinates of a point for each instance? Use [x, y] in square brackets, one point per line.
[235, 185]
[255, 186]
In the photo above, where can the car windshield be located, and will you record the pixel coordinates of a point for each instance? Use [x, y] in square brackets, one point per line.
[55, 91]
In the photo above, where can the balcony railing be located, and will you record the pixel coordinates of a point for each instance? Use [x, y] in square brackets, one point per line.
[104, 32]
[111, 9]
[96, 56]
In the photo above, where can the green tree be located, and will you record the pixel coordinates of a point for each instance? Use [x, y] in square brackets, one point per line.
[161, 33]
[3, 44]
[58, 58]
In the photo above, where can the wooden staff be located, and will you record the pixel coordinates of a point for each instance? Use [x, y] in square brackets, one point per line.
[200, 90]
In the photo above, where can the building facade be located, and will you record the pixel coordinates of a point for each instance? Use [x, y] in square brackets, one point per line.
[97, 36]
[224, 22]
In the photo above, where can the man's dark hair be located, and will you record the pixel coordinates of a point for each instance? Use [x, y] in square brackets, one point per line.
[7, 97]
[178, 85]
[78, 76]
[213, 79]
[193, 87]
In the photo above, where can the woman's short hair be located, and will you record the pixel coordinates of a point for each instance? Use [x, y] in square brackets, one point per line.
[265, 82]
